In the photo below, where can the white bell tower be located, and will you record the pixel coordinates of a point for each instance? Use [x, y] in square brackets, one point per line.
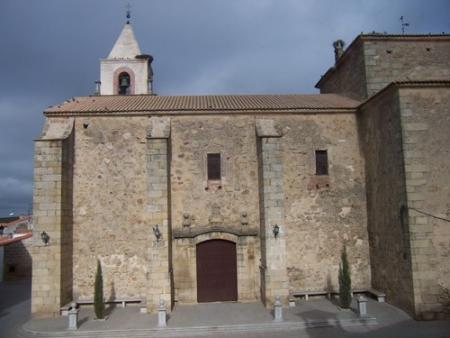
[126, 71]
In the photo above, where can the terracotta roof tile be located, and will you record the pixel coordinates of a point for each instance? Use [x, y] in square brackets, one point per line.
[5, 240]
[152, 103]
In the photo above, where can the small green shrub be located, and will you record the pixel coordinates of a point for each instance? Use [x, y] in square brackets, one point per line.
[99, 304]
[345, 282]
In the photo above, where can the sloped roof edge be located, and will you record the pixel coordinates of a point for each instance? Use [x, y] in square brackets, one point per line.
[408, 84]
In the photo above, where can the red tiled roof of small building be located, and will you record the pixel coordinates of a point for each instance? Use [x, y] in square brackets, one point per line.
[9, 221]
[5, 240]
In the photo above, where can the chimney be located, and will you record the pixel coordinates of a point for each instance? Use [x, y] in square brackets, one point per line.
[338, 49]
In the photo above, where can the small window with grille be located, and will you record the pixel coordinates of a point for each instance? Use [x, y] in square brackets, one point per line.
[214, 172]
[321, 162]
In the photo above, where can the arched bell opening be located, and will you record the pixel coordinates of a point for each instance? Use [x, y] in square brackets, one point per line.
[124, 84]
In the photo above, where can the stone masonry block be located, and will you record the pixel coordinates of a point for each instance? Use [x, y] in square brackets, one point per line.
[159, 127]
[416, 182]
[416, 197]
[415, 126]
[409, 168]
[267, 128]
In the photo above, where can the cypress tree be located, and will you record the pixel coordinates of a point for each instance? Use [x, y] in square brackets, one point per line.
[99, 305]
[345, 282]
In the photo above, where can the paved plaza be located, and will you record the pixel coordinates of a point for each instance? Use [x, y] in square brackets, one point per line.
[315, 318]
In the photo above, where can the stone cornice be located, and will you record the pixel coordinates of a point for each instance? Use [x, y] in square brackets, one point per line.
[197, 231]
[407, 84]
[271, 112]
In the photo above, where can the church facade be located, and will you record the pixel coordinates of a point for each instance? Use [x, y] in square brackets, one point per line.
[247, 197]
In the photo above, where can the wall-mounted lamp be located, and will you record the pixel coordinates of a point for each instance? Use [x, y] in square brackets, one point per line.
[45, 237]
[157, 233]
[276, 230]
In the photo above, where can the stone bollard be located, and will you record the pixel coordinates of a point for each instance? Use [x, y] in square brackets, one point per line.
[73, 317]
[162, 315]
[277, 310]
[362, 306]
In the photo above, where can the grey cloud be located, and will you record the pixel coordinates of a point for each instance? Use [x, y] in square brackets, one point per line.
[50, 51]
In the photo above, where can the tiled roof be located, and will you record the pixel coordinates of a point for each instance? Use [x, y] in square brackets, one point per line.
[9, 221]
[5, 220]
[152, 103]
[5, 240]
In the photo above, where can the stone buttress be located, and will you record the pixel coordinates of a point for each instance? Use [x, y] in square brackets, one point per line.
[52, 214]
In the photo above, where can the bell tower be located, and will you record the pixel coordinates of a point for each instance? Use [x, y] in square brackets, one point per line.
[126, 71]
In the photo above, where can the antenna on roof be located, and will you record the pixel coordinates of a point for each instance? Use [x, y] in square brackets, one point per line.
[128, 13]
[404, 24]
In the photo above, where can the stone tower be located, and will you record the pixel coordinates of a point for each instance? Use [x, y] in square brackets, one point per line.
[126, 71]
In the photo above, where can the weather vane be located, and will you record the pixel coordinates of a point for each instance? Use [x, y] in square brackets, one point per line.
[128, 12]
[404, 24]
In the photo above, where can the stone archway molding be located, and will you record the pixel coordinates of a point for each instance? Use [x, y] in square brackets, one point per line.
[130, 72]
[202, 232]
[216, 236]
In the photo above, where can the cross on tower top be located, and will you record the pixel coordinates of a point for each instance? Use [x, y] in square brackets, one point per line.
[128, 13]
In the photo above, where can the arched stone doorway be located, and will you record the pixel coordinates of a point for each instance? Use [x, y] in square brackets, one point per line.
[216, 271]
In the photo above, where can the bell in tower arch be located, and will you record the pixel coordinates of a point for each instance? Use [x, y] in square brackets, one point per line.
[126, 71]
[124, 84]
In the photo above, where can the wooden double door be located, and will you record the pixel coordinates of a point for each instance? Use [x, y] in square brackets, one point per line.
[216, 271]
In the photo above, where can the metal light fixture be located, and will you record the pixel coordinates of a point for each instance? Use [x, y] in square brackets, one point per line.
[276, 230]
[45, 238]
[157, 233]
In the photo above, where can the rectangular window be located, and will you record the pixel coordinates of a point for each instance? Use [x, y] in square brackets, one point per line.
[214, 167]
[321, 162]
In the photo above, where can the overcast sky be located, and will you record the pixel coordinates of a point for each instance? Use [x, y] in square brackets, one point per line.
[50, 51]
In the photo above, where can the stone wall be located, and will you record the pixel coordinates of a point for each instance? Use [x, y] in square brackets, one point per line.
[411, 59]
[381, 140]
[371, 63]
[207, 203]
[425, 116]
[160, 278]
[273, 264]
[348, 76]
[332, 206]
[322, 213]
[52, 198]
[113, 215]
[133, 173]
[67, 219]
[199, 205]
[17, 259]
